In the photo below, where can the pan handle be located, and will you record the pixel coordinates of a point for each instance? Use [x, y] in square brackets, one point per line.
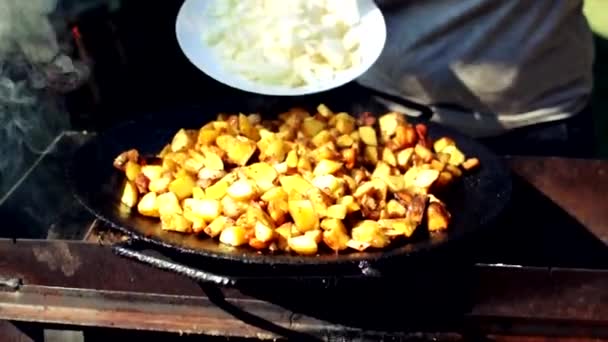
[131, 250]
[426, 112]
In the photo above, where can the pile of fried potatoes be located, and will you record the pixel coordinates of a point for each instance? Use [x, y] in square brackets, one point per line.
[298, 183]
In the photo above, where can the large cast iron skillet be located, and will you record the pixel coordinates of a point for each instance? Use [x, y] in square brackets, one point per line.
[474, 201]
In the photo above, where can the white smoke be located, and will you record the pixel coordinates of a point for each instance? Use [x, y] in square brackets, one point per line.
[35, 70]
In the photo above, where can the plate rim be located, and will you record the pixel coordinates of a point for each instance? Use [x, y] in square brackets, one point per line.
[257, 88]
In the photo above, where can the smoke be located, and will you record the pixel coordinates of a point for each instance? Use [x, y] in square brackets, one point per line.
[35, 70]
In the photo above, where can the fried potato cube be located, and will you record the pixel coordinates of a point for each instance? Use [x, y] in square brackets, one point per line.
[238, 149]
[420, 178]
[262, 174]
[442, 143]
[242, 190]
[370, 154]
[358, 245]
[316, 235]
[454, 170]
[345, 140]
[129, 194]
[320, 201]
[350, 204]
[368, 135]
[336, 211]
[160, 185]
[395, 209]
[181, 141]
[182, 186]
[175, 222]
[292, 159]
[272, 149]
[283, 234]
[424, 153]
[304, 216]
[198, 193]
[152, 171]
[388, 124]
[295, 183]
[208, 209]
[311, 127]
[216, 226]
[233, 208]
[329, 184]
[369, 231]
[344, 123]
[381, 171]
[456, 156]
[437, 217]
[326, 167]
[401, 226]
[389, 157]
[212, 160]
[444, 179]
[324, 111]
[275, 194]
[168, 204]
[404, 157]
[304, 165]
[416, 208]
[207, 137]
[321, 138]
[263, 232]
[147, 206]
[220, 188]
[233, 236]
[198, 223]
[132, 169]
[247, 129]
[335, 235]
[303, 244]
[395, 183]
[470, 164]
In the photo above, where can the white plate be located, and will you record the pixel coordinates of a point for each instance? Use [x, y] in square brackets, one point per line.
[190, 26]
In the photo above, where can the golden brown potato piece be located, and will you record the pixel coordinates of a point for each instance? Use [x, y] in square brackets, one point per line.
[416, 209]
[470, 164]
[181, 141]
[337, 211]
[132, 169]
[442, 143]
[456, 156]
[233, 236]
[344, 123]
[152, 172]
[437, 218]
[242, 190]
[182, 186]
[327, 167]
[129, 194]
[335, 235]
[218, 225]
[303, 244]
[175, 222]
[295, 183]
[238, 149]
[368, 135]
[369, 232]
[247, 129]
[147, 206]
[263, 174]
[207, 209]
[168, 204]
[304, 216]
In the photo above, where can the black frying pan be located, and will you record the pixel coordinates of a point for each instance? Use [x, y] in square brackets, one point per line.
[475, 201]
